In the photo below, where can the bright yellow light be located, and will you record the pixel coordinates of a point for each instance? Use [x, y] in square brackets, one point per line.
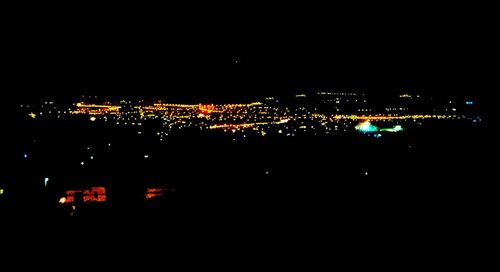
[92, 118]
[62, 200]
[32, 115]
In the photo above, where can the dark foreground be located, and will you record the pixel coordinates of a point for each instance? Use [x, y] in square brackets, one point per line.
[423, 178]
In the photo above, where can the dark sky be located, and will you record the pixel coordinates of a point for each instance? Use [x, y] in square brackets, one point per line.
[231, 58]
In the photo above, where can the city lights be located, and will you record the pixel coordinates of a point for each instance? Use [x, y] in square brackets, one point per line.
[243, 120]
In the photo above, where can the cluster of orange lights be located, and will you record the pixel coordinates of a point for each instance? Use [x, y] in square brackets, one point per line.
[206, 109]
[95, 194]
[247, 125]
[94, 109]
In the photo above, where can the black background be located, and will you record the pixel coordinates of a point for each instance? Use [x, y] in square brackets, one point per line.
[232, 53]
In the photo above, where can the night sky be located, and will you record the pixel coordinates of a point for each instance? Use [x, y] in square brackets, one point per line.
[240, 57]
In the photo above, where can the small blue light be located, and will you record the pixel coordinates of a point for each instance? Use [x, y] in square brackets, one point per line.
[469, 103]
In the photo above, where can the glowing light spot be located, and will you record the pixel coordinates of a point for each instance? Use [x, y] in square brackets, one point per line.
[469, 103]
[62, 200]
[32, 115]
[1, 191]
[82, 163]
[25, 155]
[146, 156]
[45, 181]
[396, 128]
[93, 118]
[366, 127]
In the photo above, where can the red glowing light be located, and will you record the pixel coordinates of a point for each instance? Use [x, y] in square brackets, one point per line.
[154, 192]
[95, 194]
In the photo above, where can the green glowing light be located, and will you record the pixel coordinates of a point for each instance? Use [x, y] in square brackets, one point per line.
[366, 127]
[396, 128]
[1, 191]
